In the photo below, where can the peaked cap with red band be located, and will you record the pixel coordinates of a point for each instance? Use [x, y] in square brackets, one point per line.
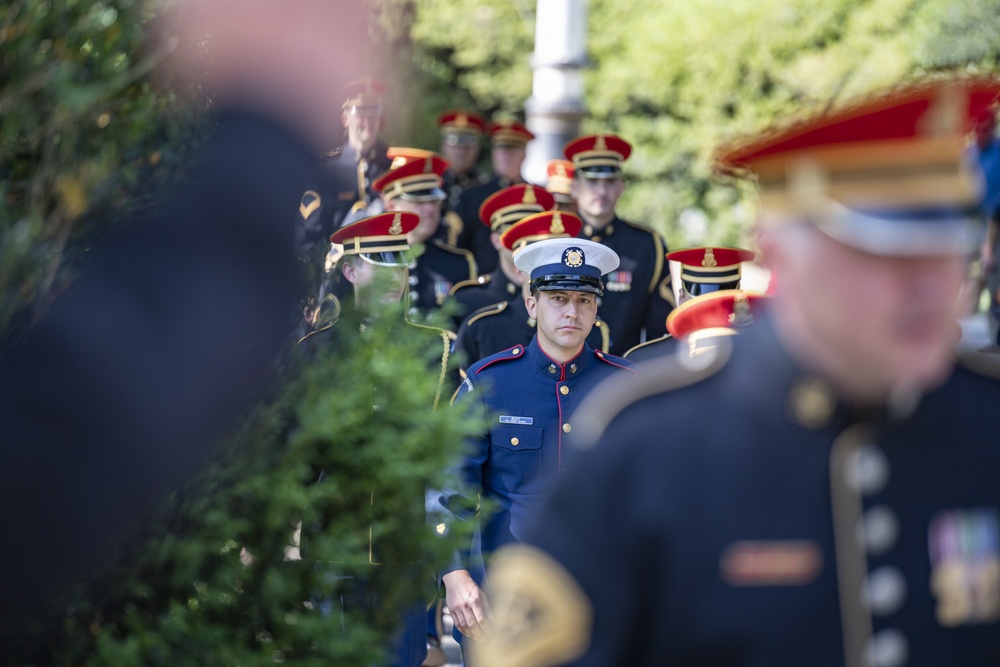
[598, 155]
[560, 173]
[364, 95]
[509, 133]
[507, 206]
[708, 269]
[728, 309]
[539, 227]
[418, 179]
[380, 239]
[885, 175]
[461, 127]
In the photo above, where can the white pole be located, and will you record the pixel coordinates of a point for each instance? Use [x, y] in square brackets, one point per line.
[555, 108]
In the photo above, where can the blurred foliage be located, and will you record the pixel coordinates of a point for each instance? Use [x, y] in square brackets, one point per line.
[83, 133]
[678, 79]
[208, 583]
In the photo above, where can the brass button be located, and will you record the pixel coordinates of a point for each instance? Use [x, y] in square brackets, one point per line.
[515, 442]
[516, 350]
[564, 390]
[567, 428]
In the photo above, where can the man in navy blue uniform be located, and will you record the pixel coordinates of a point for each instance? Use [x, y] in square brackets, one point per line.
[526, 394]
[637, 295]
[827, 495]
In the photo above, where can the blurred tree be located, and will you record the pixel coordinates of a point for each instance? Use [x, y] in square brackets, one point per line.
[677, 79]
[83, 132]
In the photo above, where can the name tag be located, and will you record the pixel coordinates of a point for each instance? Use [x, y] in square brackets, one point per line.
[774, 563]
[520, 421]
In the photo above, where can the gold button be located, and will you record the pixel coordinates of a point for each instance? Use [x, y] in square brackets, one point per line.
[517, 350]
[567, 428]
[564, 390]
[515, 442]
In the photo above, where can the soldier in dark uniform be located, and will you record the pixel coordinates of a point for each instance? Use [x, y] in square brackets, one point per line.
[827, 493]
[560, 184]
[525, 395]
[498, 212]
[508, 142]
[351, 169]
[703, 271]
[505, 323]
[461, 136]
[373, 260]
[415, 186]
[638, 295]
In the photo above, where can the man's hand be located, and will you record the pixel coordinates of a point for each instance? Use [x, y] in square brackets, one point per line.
[467, 604]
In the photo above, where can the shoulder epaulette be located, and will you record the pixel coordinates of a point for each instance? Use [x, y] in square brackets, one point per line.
[656, 376]
[485, 311]
[478, 281]
[516, 352]
[646, 344]
[605, 330]
[461, 252]
[615, 361]
[981, 363]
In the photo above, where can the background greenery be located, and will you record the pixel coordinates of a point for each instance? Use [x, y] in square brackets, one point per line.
[87, 139]
[678, 78]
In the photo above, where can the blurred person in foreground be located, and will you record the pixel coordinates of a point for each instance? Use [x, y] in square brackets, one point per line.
[827, 493]
[117, 395]
[525, 395]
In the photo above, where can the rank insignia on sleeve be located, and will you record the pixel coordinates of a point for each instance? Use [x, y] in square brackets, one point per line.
[964, 549]
[540, 614]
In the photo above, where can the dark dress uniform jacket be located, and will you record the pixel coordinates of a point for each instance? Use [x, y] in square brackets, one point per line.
[437, 269]
[637, 295]
[473, 234]
[326, 203]
[527, 399]
[740, 520]
[483, 290]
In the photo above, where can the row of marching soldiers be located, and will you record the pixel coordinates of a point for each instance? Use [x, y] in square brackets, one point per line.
[535, 292]
[471, 223]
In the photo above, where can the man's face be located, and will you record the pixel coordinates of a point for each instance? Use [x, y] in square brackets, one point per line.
[363, 126]
[874, 323]
[375, 285]
[461, 156]
[564, 320]
[596, 198]
[507, 161]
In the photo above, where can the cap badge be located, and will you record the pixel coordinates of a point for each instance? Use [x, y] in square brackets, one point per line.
[557, 226]
[560, 169]
[741, 315]
[529, 196]
[397, 224]
[397, 161]
[944, 116]
[599, 144]
[461, 120]
[573, 257]
[709, 259]
[428, 165]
